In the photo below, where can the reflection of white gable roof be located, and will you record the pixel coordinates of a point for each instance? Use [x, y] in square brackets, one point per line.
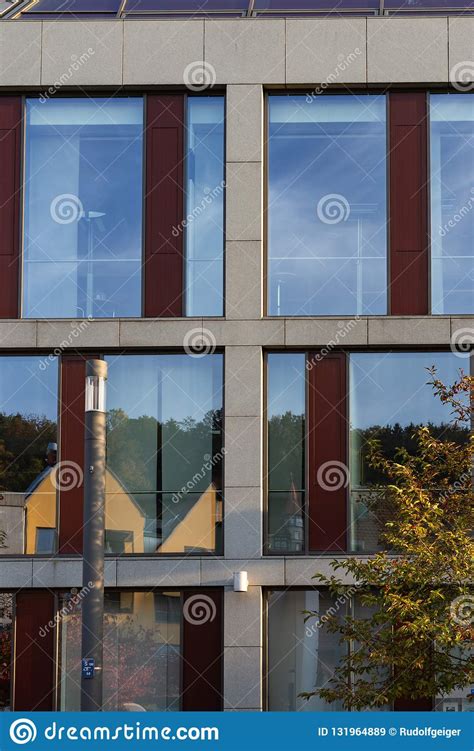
[37, 481]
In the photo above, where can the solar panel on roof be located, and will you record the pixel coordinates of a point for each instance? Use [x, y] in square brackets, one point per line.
[316, 5]
[192, 6]
[428, 4]
[75, 6]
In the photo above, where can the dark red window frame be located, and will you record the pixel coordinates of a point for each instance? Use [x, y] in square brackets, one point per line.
[10, 181]
[201, 661]
[71, 447]
[164, 206]
[327, 448]
[408, 202]
[34, 651]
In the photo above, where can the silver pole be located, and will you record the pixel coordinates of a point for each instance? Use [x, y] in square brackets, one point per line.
[93, 548]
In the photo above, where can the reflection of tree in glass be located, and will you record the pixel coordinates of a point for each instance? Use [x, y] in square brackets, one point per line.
[392, 438]
[137, 663]
[23, 443]
[132, 445]
[285, 439]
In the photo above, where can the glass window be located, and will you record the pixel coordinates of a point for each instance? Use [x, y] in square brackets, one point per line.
[389, 398]
[28, 452]
[286, 452]
[327, 215]
[452, 203]
[164, 454]
[83, 208]
[301, 656]
[204, 221]
[6, 650]
[142, 648]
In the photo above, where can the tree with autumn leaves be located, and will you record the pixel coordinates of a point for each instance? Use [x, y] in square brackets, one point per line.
[412, 636]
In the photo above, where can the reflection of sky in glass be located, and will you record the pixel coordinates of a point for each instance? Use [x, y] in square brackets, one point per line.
[205, 206]
[388, 388]
[327, 205]
[286, 383]
[83, 207]
[452, 202]
[164, 386]
[28, 389]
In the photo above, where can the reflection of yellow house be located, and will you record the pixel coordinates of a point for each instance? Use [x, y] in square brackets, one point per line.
[198, 527]
[40, 511]
[195, 528]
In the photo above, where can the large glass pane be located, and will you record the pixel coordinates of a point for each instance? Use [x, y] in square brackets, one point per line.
[286, 451]
[301, 656]
[452, 203]
[204, 223]
[327, 217]
[6, 650]
[164, 454]
[83, 208]
[28, 454]
[141, 652]
[389, 398]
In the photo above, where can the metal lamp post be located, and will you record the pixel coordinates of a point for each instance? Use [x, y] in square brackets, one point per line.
[94, 519]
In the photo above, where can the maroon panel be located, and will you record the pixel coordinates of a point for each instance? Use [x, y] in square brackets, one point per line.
[408, 204]
[327, 452]
[73, 373]
[34, 652]
[202, 651]
[10, 156]
[164, 206]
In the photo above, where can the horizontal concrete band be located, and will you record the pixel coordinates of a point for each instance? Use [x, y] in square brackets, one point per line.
[270, 332]
[238, 51]
[58, 573]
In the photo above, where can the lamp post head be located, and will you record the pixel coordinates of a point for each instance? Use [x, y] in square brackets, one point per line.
[96, 376]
